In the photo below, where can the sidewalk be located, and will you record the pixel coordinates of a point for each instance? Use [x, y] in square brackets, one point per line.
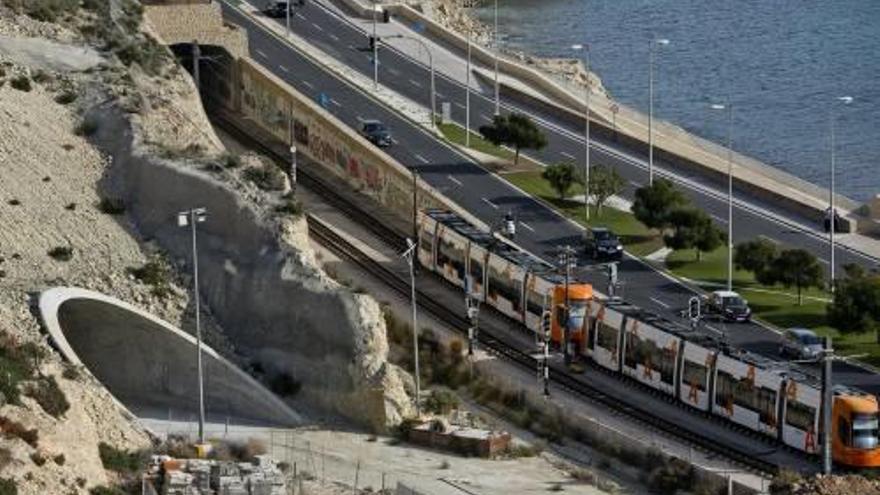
[454, 66]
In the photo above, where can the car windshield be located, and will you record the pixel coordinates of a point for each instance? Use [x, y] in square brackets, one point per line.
[374, 128]
[734, 302]
[604, 235]
[810, 339]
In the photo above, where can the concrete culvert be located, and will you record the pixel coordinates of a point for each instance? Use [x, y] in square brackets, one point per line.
[148, 365]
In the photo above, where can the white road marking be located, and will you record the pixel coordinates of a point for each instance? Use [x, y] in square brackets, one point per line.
[483, 116]
[334, 37]
[319, 28]
[658, 301]
[300, 16]
[439, 94]
[722, 220]
[635, 184]
[359, 118]
[567, 155]
[527, 226]
[459, 105]
[394, 71]
[283, 68]
[415, 83]
[824, 261]
[453, 179]
[308, 84]
[421, 158]
[260, 53]
[768, 238]
[351, 47]
[493, 205]
[393, 141]
[719, 332]
[335, 102]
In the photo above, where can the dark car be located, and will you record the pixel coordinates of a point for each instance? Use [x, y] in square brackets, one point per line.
[800, 343]
[376, 133]
[838, 221]
[728, 305]
[276, 9]
[601, 243]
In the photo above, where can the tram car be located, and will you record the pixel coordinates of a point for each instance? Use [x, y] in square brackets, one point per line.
[693, 366]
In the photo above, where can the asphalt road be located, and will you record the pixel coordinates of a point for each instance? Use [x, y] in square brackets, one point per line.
[487, 196]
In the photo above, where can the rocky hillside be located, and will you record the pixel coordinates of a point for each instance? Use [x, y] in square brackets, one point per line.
[61, 225]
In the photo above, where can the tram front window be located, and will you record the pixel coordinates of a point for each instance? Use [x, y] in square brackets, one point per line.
[865, 431]
[576, 315]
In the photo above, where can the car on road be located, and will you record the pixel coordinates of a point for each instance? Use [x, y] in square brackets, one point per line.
[800, 343]
[727, 305]
[602, 243]
[276, 9]
[838, 221]
[376, 133]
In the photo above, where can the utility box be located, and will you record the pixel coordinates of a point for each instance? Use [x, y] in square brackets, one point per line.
[386, 16]
[445, 112]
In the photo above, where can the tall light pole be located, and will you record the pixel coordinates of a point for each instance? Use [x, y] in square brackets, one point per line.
[410, 255]
[375, 50]
[495, 42]
[729, 107]
[654, 43]
[431, 64]
[293, 171]
[586, 48]
[846, 100]
[191, 218]
[566, 259]
[467, 95]
[287, 13]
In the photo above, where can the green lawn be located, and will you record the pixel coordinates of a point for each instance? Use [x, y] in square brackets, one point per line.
[776, 305]
[456, 134]
[637, 238]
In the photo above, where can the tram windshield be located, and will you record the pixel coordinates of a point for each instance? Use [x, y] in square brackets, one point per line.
[865, 431]
[576, 315]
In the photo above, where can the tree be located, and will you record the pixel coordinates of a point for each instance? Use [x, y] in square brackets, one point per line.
[692, 228]
[560, 177]
[756, 256]
[798, 268]
[604, 183]
[856, 304]
[653, 204]
[515, 130]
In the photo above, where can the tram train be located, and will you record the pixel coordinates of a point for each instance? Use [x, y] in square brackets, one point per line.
[691, 365]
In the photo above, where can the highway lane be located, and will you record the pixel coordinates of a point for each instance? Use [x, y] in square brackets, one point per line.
[411, 78]
[486, 195]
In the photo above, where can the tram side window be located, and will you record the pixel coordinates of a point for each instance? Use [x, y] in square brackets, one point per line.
[766, 404]
[666, 365]
[843, 431]
[800, 416]
[724, 388]
[694, 374]
[442, 256]
[500, 285]
[634, 354]
[607, 338]
[535, 303]
[477, 269]
[453, 256]
[517, 297]
[744, 394]
[427, 241]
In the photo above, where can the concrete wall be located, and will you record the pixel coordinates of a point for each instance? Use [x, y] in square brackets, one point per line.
[146, 362]
[273, 304]
[182, 22]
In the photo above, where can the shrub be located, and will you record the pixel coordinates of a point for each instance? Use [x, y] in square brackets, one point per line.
[442, 401]
[38, 459]
[41, 76]
[285, 385]
[21, 83]
[14, 429]
[671, 476]
[784, 481]
[86, 127]
[112, 206]
[14, 202]
[8, 486]
[121, 461]
[154, 272]
[106, 490]
[71, 372]
[59, 459]
[61, 253]
[17, 363]
[49, 396]
[232, 161]
[268, 177]
[5, 458]
[291, 207]
[145, 52]
[65, 97]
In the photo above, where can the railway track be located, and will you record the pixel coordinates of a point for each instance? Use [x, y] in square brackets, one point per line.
[498, 346]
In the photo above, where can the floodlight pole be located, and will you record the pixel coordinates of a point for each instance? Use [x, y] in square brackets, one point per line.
[192, 217]
[410, 255]
[827, 405]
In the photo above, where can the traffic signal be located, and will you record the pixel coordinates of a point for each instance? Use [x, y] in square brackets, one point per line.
[545, 325]
[373, 40]
[694, 308]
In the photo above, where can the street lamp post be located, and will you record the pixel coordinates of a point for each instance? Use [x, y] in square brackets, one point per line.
[431, 64]
[410, 255]
[586, 48]
[467, 95]
[375, 50]
[654, 42]
[287, 13]
[191, 218]
[293, 171]
[495, 42]
[729, 107]
[846, 100]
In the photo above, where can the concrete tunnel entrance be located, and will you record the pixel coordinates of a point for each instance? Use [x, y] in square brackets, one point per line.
[148, 365]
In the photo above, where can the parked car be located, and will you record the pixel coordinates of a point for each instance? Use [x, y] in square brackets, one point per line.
[800, 343]
[276, 9]
[727, 305]
[601, 243]
[838, 221]
[376, 133]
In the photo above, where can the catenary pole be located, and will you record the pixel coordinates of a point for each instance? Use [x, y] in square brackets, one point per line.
[467, 94]
[495, 41]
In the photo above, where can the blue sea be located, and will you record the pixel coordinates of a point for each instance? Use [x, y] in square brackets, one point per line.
[781, 62]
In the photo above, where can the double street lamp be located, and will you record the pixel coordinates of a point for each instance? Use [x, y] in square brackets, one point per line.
[832, 216]
[655, 42]
[729, 107]
[586, 48]
[495, 42]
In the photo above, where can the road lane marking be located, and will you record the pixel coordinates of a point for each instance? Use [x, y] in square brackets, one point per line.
[394, 71]
[493, 205]
[308, 84]
[421, 158]
[334, 37]
[719, 332]
[527, 226]
[459, 105]
[439, 94]
[567, 155]
[658, 301]
[453, 179]
[300, 16]
[283, 68]
[359, 118]
[319, 28]
[483, 116]
[768, 238]
[335, 102]
[823, 261]
[260, 53]
[415, 83]
[635, 184]
[716, 217]
[351, 47]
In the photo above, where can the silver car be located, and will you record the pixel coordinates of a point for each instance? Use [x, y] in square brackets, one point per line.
[800, 343]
